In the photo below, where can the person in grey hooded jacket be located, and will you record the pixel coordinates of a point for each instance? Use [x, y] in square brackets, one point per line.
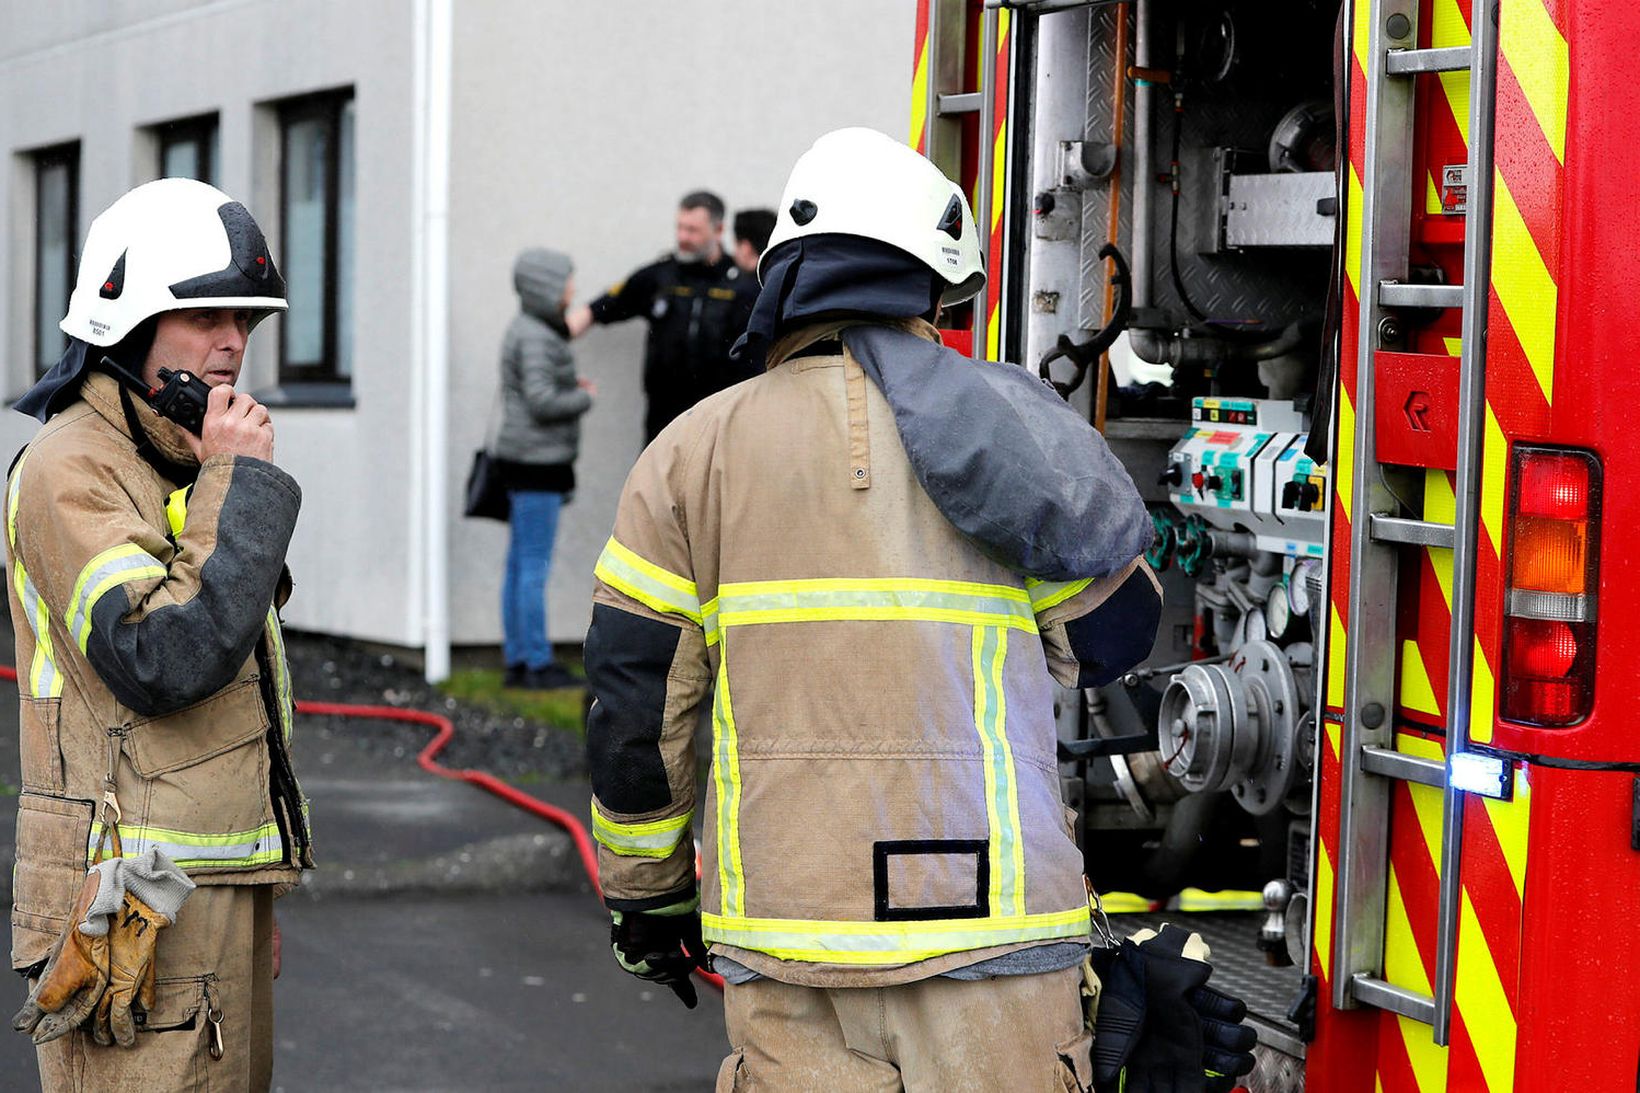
[535, 446]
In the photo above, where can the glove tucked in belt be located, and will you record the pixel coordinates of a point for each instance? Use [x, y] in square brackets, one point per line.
[662, 946]
[1160, 1028]
[103, 962]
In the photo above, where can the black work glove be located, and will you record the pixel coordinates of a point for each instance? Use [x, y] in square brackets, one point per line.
[1160, 1028]
[662, 945]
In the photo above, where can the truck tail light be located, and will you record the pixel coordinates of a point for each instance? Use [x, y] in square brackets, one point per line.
[1549, 623]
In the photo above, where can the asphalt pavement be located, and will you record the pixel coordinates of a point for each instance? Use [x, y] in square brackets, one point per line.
[448, 942]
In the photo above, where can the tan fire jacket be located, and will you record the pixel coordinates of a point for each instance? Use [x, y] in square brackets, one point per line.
[883, 801]
[149, 656]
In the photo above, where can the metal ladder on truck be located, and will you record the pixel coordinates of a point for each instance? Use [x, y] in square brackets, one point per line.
[951, 102]
[1371, 764]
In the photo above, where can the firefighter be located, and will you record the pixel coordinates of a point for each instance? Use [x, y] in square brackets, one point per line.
[838, 551]
[147, 570]
[696, 300]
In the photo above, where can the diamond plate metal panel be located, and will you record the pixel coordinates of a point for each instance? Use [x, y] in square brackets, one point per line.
[1276, 288]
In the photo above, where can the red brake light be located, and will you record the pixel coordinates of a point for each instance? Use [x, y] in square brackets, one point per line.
[1549, 629]
[1553, 484]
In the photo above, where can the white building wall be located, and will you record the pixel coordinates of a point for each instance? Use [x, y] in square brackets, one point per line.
[101, 73]
[578, 126]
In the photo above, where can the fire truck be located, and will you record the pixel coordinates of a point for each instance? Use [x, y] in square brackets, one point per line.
[1343, 283]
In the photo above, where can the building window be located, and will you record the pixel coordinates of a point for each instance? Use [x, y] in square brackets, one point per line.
[316, 249]
[187, 148]
[56, 220]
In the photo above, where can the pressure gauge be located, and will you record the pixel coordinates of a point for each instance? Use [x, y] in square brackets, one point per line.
[1277, 613]
[1298, 588]
[1253, 627]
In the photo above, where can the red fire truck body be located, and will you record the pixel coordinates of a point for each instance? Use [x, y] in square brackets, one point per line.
[1454, 862]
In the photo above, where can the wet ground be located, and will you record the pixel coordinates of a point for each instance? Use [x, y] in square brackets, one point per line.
[448, 941]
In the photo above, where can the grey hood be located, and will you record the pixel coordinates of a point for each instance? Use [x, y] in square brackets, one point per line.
[539, 276]
[1019, 473]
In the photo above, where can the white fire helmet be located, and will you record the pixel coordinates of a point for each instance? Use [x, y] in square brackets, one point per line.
[864, 183]
[165, 246]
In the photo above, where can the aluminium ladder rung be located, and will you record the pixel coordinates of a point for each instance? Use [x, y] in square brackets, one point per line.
[1394, 529]
[1412, 62]
[966, 103]
[1407, 768]
[1400, 294]
[1376, 992]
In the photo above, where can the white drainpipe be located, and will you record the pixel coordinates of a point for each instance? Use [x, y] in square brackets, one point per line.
[432, 297]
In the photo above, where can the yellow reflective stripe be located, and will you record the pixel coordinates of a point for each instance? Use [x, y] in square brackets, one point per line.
[646, 582]
[281, 673]
[1007, 846]
[113, 567]
[874, 599]
[176, 509]
[651, 839]
[1196, 899]
[13, 493]
[260, 846]
[45, 679]
[1047, 594]
[726, 773]
[876, 943]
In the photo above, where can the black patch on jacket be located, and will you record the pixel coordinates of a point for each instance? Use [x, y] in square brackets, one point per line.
[1117, 634]
[627, 660]
[978, 849]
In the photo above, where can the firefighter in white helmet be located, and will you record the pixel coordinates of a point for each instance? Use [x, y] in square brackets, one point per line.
[874, 561]
[146, 533]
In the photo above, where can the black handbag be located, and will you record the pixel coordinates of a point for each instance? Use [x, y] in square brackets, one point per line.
[486, 492]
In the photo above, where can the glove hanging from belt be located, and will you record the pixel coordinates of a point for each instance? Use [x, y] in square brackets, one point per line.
[103, 963]
[662, 945]
[1160, 1028]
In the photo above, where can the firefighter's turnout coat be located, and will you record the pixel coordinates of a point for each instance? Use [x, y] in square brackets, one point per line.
[883, 797]
[149, 658]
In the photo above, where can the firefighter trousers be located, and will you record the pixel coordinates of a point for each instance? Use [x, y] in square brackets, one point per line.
[215, 960]
[1015, 1032]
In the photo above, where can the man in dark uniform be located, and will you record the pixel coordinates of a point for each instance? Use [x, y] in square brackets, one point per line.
[697, 301]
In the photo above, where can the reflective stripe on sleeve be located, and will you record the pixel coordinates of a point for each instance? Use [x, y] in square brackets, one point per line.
[630, 573]
[882, 943]
[235, 849]
[652, 839]
[113, 567]
[1046, 594]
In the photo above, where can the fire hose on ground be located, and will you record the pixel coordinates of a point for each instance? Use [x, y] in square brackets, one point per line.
[427, 759]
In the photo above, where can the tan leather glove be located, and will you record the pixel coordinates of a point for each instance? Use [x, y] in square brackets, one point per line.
[74, 980]
[132, 933]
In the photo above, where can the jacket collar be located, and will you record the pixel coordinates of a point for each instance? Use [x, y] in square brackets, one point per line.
[102, 392]
[800, 339]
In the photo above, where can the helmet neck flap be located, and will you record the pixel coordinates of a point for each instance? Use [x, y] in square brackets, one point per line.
[820, 277]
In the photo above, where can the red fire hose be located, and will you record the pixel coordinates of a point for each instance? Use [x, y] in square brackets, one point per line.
[428, 761]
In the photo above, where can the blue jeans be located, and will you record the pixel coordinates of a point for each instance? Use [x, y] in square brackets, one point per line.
[524, 590]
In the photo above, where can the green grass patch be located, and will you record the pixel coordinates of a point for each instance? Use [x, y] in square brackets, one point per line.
[482, 687]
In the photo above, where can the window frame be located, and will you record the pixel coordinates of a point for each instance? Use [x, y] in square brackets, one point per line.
[66, 155]
[326, 107]
[200, 130]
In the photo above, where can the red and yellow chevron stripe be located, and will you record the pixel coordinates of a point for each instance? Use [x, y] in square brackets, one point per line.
[998, 166]
[1483, 1053]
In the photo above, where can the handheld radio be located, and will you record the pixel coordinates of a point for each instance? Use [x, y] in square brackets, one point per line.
[180, 397]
